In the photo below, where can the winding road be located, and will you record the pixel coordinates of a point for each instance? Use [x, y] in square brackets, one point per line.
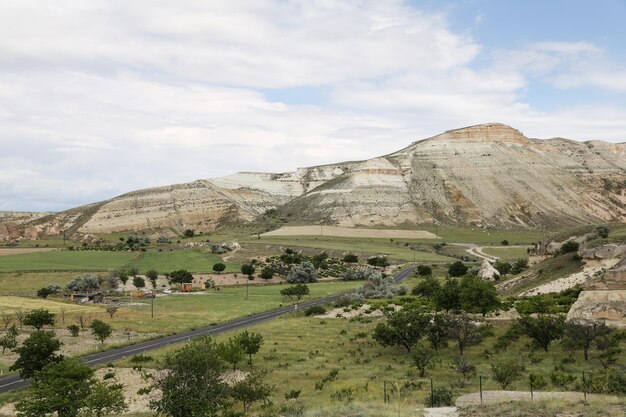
[12, 382]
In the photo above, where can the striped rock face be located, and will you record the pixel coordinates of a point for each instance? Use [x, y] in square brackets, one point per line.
[486, 175]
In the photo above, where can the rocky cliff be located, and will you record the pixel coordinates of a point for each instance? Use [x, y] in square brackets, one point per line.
[486, 175]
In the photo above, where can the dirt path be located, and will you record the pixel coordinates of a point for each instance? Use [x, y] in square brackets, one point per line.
[494, 397]
[337, 231]
[476, 251]
[441, 412]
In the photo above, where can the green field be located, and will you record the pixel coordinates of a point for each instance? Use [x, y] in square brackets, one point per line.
[28, 282]
[507, 253]
[65, 261]
[300, 351]
[193, 260]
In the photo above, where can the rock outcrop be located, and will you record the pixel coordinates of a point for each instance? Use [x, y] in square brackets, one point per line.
[606, 306]
[486, 175]
[488, 272]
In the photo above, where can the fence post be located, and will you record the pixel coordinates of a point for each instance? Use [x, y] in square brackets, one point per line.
[385, 392]
[530, 378]
[584, 386]
[480, 381]
[432, 394]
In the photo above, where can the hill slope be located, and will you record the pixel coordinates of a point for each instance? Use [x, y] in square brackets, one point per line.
[485, 175]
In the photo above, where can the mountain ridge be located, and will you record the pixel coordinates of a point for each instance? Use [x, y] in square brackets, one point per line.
[487, 175]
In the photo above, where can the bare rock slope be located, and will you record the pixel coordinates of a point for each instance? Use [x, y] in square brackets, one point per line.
[485, 175]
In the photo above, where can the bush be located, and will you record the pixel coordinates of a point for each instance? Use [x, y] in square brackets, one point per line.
[356, 274]
[424, 271]
[74, 330]
[570, 246]
[314, 310]
[139, 282]
[441, 397]
[605, 381]
[189, 233]
[602, 231]
[350, 259]
[380, 261]
[302, 273]
[457, 269]
[427, 287]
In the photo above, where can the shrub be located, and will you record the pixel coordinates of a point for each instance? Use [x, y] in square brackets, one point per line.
[427, 287]
[350, 259]
[441, 397]
[74, 330]
[380, 261]
[605, 381]
[602, 231]
[424, 271]
[505, 372]
[314, 310]
[302, 273]
[457, 269]
[355, 274]
[570, 246]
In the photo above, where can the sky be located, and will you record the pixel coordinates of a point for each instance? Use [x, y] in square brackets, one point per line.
[102, 97]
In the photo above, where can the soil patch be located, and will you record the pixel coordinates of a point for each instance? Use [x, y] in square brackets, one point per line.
[350, 232]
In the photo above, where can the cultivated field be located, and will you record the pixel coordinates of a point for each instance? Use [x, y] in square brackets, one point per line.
[20, 251]
[65, 261]
[350, 232]
[193, 260]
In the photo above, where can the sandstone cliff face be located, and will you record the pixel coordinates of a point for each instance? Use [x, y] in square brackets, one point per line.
[486, 175]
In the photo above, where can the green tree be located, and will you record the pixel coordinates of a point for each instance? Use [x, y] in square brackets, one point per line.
[507, 371]
[504, 268]
[248, 269]
[466, 331]
[38, 318]
[350, 258]
[232, 352]
[267, 273]
[478, 296]
[449, 298]
[543, 329]
[123, 276]
[457, 269]
[8, 341]
[36, 352]
[192, 385]
[66, 389]
[296, 292]
[44, 292]
[427, 287]
[319, 260]
[437, 331]
[421, 357]
[180, 276]
[582, 334]
[302, 273]
[101, 330]
[424, 270]
[74, 330]
[519, 266]
[139, 282]
[152, 275]
[251, 343]
[403, 328]
[251, 389]
[219, 267]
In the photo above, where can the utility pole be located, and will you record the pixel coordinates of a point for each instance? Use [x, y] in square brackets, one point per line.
[152, 306]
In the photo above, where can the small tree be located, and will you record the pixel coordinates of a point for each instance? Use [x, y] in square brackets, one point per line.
[350, 258]
[36, 352]
[219, 267]
[570, 246]
[181, 276]
[438, 330]
[232, 352]
[139, 282]
[427, 287]
[267, 273]
[152, 275]
[424, 270]
[421, 357]
[583, 333]
[248, 269]
[83, 320]
[8, 341]
[44, 292]
[74, 330]
[302, 273]
[403, 328]
[457, 269]
[507, 371]
[38, 318]
[67, 389]
[251, 389]
[543, 329]
[503, 268]
[466, 331]
[123, 276]
[478, 296]
[296, 292]
[251, 343]
[111, 309]
[519, 266]
[194, 372]
[505, 242]
[6, 319]
[101, 330]
[20, 315]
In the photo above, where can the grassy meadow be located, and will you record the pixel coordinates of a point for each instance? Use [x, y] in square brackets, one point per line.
[65, 261]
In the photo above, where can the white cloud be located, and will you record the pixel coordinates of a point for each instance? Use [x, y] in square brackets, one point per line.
[104, 96]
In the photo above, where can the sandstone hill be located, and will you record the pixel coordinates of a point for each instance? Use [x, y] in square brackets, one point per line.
[487, 175]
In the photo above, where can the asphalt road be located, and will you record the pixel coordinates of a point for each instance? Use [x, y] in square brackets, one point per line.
[13, 382]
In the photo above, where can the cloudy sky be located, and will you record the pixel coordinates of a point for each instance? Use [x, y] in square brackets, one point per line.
[101, 97]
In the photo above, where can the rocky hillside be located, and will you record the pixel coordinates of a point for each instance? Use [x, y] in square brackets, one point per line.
[486, 175]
